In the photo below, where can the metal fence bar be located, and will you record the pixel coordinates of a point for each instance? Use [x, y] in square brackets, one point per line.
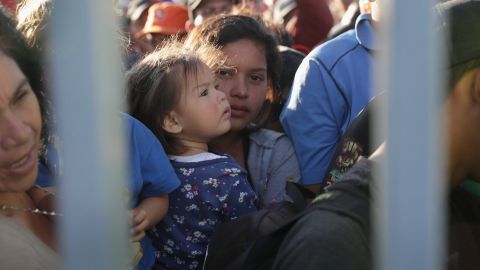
[86, 71]
[411, 204]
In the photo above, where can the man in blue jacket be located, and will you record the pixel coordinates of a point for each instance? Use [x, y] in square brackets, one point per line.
[331, 86]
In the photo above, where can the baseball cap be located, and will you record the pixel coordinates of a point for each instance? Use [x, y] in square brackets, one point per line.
[165, 18]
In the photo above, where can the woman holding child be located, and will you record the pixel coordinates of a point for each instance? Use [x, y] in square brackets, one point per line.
[250, 80]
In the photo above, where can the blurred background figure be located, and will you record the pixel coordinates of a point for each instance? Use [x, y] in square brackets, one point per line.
[308, 21]
[135, 20]
[345, 13]
[10, 5]
[200, 10]
[338, 8]
[164, 21]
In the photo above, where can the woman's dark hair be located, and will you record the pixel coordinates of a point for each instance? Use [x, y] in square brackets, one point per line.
[224, 29]
[14, 45]
[155, 86]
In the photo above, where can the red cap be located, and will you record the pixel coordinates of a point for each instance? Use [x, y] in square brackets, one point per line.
[165, 18]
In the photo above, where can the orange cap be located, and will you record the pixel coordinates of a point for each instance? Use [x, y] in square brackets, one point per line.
[165, 18]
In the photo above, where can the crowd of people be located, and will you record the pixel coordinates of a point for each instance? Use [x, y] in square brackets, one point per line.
[235, 108]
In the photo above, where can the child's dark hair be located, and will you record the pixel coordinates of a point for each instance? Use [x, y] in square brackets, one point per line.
[155, 85]
[224, 29]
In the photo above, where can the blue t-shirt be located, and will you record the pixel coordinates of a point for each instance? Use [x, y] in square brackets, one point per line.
[211, 192]
[151, 173]
[331, 86]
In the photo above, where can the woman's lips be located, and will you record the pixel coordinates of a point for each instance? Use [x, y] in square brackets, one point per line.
[23, 165]
[239, 111]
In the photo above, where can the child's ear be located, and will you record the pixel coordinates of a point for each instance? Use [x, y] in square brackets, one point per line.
[171, 124]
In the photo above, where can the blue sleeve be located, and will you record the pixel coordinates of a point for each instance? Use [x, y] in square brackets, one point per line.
[44, 177]
[239, 197]
[312, 119]
[149, 158]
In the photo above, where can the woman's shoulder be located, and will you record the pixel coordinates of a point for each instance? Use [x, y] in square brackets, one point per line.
[270, 139]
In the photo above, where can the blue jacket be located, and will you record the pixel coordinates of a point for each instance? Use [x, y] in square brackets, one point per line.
[331, 86]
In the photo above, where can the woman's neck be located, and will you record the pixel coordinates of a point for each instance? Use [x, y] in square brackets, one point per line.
[231, 143]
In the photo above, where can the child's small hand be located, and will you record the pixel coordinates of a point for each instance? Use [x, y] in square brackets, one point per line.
[139, 224]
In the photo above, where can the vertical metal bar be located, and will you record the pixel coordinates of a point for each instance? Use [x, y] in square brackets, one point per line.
[86, 71]
[411, 192]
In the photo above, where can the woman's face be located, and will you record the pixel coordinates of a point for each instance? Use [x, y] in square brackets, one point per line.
[20, 127]
[245, 81]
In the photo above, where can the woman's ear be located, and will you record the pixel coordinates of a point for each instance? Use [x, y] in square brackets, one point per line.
[171, 124]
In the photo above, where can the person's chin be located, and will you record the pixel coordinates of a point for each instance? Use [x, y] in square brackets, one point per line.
[238, 124]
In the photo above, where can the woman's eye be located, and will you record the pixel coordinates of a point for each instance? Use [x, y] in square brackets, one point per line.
[204, 93]
[257, 78]
[223, 73]
[20, 96]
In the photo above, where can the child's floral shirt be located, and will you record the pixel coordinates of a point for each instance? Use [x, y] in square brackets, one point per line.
[210, 193]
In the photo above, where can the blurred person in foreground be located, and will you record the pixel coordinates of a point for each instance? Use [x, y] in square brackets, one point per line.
[27, 238]
[338, 227]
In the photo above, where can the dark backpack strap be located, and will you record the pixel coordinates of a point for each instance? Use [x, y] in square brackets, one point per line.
[299, 194]
[349, 198]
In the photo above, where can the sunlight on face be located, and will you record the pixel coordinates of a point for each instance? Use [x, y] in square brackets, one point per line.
[20, 128]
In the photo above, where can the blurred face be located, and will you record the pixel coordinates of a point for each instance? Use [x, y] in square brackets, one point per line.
[210, 8]
[463, 124]
[203, 111]
[20, 127]
[245, 82]
[149, 42]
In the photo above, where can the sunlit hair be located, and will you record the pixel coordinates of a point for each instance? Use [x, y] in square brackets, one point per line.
[32, 19]
[224, 29]
[156, 84]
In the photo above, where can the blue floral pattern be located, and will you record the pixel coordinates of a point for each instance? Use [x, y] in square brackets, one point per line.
[211, 192]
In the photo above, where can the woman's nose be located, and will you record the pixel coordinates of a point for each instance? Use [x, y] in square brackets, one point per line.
[240, 89]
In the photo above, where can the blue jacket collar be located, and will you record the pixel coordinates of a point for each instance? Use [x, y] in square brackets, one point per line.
[365, 32]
